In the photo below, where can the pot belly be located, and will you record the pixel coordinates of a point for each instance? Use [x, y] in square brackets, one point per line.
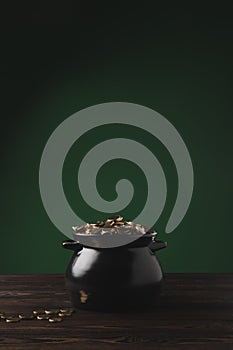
[130, 280]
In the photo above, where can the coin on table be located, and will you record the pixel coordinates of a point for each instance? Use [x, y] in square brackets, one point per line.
[38, 311]
[42, 317]
[67, 309]
[11, 319]
[64, 314]
[24, 316]
[55, 319]
[51, 311]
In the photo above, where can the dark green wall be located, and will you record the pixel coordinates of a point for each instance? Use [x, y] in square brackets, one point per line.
[59, 60]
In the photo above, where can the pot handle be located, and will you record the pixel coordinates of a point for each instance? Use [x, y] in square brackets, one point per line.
[72, 245]
[157, 245]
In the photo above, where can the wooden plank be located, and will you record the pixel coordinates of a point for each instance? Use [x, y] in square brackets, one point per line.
[196, 312]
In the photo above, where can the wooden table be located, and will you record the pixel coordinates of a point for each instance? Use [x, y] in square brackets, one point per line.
[196, 312]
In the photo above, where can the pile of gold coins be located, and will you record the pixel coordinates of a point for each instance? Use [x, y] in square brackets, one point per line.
[113, 225]
[115, 221]
[50, 315]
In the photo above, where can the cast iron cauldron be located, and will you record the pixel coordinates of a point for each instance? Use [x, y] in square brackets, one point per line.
[115, 279]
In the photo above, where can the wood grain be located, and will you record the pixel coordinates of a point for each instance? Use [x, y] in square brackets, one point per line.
[196, 312]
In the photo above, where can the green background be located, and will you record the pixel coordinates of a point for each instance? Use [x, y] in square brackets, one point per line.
[58, 60]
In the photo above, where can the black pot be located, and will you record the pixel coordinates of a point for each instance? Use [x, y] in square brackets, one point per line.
[115, 279]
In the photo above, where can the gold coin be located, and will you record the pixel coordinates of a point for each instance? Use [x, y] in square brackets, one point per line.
[68, 309]
[38, 312]
[42, 317]
[100, 223]
[51, 311]
[64, 314]
[119, 218]
[26, 316]
[55, 319]
[109, 224]
[119, 223]
[12, 319]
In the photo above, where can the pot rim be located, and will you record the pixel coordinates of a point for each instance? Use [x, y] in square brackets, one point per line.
[146, 234]
[98, 241]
